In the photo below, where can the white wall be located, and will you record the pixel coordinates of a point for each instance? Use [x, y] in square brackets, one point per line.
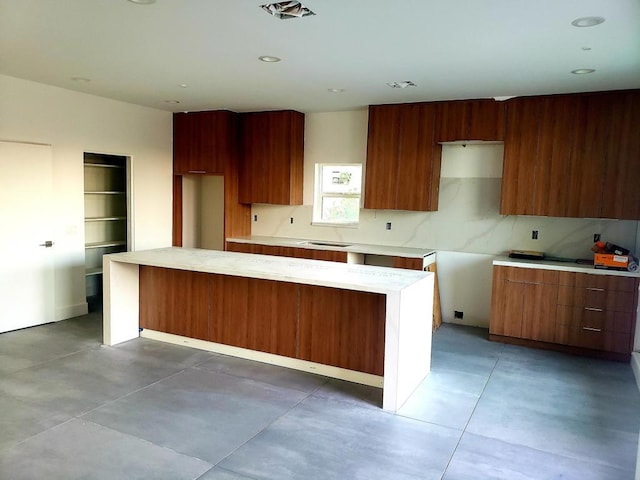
[467, 228]
[74, 123]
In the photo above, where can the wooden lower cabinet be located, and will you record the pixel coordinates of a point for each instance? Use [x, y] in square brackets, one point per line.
[591, 312]
[524, 303]
[331, 326]
[295, 252]
[162, 301]
[342, 328]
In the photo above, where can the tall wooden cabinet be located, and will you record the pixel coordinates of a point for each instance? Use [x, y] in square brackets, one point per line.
[271, 157]
[206, 143]
[403, 160]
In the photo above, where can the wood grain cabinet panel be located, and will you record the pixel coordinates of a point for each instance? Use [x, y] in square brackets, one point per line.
[524, 303]
[342, 328]
[403, 160]
[174, 301]
[203, 142]
[470, 120]
[255, 314]
[587, 311]
[572, 156]
[271, 157]
[295, 252]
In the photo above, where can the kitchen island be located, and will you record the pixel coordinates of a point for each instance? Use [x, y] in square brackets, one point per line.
[360, 323]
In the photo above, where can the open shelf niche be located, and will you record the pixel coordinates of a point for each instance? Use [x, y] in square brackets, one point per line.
[105, 216]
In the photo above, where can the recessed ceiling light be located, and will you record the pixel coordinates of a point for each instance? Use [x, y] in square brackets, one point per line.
[81, 79]
[183, 85]
[587, 21]
[143, 2]
[583, 71]
[404, 84]
[335, 90]
[586, 49]
[285, 10]
[269, 59]
[172, 102]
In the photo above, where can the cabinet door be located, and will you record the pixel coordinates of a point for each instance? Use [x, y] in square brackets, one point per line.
[203, 142]
[418, 177]
[174, 301]
[470, 120]
[403, 163]
[383, 144]
[520, 156]
[621, 195]
[271, 157]
[342, 328]
[560, 118]
[254, 314]
[524, 303]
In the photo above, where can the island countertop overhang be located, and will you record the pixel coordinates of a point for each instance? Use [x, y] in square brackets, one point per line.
[363, 278]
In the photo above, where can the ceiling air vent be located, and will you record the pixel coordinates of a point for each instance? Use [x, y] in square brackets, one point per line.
[285, 10]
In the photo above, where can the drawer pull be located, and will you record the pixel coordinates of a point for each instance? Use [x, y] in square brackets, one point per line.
[197, 171]
[594, 289]
[591, 329]
[591, 309]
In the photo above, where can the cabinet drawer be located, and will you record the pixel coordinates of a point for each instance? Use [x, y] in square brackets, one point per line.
[605, 320]
[598, 282]
[597, 298]
[596, 340]
[530, 275]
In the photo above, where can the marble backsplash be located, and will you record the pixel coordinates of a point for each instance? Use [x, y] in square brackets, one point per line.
[467, 220]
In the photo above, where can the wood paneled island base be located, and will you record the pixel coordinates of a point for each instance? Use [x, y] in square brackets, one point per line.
[360, 323]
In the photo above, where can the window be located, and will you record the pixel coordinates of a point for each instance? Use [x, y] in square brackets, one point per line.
[337, 194]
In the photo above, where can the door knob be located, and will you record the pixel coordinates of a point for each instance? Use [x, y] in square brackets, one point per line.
[47, 244]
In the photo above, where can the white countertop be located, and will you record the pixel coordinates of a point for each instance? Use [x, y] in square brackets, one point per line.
[560, 266]
[363, 278]
[386, 250]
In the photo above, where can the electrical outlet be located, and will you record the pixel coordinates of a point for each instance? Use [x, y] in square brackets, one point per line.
[534, 234]
[388, 227]
[596, 237]
[291, 220]
[255, 218]
[458, 314]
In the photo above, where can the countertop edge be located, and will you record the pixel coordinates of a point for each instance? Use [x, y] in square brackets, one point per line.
[560, 266]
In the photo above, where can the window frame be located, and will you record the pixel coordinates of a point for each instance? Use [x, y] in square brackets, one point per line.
[318, 196]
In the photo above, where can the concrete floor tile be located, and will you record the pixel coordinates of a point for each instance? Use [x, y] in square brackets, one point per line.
[82, 450]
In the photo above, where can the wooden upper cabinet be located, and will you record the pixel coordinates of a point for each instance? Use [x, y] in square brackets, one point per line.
[572, 156]
[203, 142]
[470, 120]
[620, 192]
[271, 157]
[403, 161]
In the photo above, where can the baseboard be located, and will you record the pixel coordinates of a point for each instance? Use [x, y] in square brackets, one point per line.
[70, 311]
[635, 366]
[294, 363]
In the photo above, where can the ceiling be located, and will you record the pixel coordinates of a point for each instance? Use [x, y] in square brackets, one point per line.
[204, 53]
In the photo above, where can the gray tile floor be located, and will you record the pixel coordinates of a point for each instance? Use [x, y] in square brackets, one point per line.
[71, 408]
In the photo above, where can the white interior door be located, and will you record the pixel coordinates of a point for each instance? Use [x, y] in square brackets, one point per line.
[26, 263]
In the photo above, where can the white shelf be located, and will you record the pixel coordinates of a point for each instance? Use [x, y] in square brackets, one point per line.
[111, 243]
[105, 192]
[93, 271]
[103, 219]
[102, 165]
